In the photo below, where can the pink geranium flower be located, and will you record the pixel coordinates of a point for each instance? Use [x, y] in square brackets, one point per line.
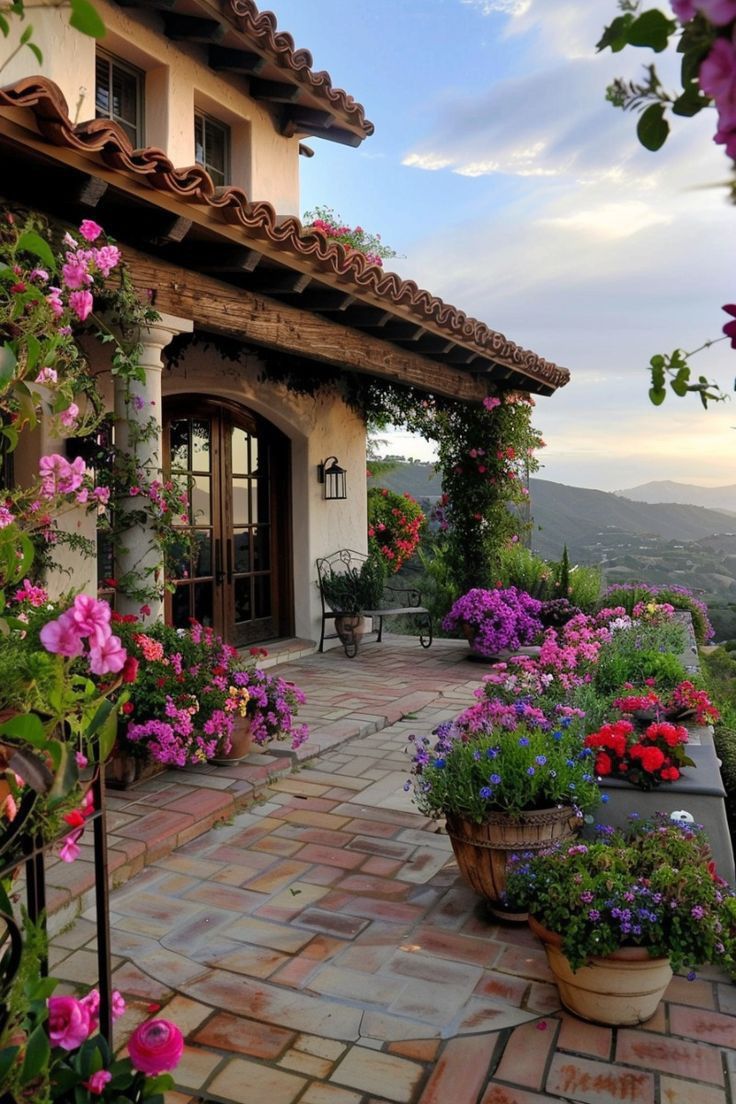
[108, 657]
[89, 230]
[717, 74]
[69, 416]
[69, 1022]
[81, 303]
[92, 617]
[62, 636]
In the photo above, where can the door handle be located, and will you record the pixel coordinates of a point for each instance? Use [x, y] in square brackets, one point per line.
[230, 560]
[219, 574]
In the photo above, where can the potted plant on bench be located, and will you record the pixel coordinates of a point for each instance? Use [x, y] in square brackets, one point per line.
[350, 588]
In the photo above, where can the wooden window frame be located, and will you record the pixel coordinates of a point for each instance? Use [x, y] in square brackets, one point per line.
[114, 62]
[210, 120]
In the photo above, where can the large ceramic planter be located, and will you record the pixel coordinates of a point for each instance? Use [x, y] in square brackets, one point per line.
[623, 988]
[350, 628]
[241, 744]
[482, 850]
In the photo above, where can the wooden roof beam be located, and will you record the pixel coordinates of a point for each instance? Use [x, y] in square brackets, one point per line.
[89, 191]
[223, 258]
[161, 5]
[191, 28]
[225, 59]
[274, 91]
[287, 282]
[221, 308]
[326, 300]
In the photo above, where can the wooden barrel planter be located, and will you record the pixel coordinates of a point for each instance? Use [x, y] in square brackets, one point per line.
[482, 850]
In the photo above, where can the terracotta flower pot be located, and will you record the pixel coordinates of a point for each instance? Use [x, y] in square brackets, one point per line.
[623, 988]
[241, 743]
[482, 850]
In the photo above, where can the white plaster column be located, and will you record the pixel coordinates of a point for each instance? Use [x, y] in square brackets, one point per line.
[136, 404]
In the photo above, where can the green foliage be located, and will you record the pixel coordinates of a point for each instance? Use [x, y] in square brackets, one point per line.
[548, 580]
[636, 655]
[351, 589]
[471, 774]
[676, 367]
[583, 892]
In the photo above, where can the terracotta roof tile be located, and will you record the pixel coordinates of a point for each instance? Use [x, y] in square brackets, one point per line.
[260, 27]
[259, 220]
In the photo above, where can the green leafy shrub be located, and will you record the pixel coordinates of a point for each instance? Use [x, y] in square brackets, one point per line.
[395, 524]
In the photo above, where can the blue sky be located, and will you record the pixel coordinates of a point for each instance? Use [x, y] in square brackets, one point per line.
[513, 190]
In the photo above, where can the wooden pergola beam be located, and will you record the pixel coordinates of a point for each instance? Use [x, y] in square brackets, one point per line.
[220, 308]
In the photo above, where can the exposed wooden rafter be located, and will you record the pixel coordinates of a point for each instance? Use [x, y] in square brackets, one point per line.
[274, 91]
[90, 191]
[190, 28]
[225, 59]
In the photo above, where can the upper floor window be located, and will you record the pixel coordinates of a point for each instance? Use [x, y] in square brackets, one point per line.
[119, 95]
[212, 147]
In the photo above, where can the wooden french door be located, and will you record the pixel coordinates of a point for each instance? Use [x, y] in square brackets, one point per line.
[233, 568]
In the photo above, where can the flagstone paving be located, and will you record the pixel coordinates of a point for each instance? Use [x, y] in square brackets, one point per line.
[319, 948]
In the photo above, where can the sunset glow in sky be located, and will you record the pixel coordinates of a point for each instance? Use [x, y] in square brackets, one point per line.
[513, 190]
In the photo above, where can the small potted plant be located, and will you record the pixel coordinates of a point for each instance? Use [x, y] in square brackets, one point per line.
[502, 790]
[349, 590]
[495, 620]
[618, 914]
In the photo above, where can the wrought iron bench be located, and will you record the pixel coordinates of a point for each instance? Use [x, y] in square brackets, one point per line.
[350, 625]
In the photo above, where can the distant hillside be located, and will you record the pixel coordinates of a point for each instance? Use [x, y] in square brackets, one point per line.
[588, 521]
[630, 541]
[713, 498]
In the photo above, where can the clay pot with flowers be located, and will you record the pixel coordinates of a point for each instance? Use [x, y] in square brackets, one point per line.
[193, 697]
[494, 621]
[504, 786]
[618, 914]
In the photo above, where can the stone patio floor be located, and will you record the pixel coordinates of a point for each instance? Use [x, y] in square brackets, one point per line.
[318, 947]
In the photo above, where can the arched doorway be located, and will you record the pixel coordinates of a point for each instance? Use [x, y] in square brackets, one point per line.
[236, 575]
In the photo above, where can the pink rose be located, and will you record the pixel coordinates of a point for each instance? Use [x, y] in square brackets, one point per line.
[89, 230]
[97, 1082]
[69, 1023]
[156, 1047]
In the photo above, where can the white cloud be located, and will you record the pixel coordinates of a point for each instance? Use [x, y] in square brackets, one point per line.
[428, 161]
[493, 7]
[610, 219]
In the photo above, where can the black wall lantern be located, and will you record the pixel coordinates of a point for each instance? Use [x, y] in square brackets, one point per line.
[333, 478]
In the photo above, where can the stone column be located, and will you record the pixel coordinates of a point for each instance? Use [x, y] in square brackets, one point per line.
[138, 408]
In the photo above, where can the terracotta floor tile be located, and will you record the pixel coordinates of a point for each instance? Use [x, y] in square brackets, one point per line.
[674, 1091]
[332, 923]
[259, 1040]
[506, 1094]
[699, 993]
[502, 987]
[702, 1025]
[195, 1067]
[461, 1071]
[526, 1053]
[588, 1082]
[242, 1082]
[675, 1056]
[395, 1079]
[308, 1064]
[330, 1094]
[584, 1038]
[420, 1050]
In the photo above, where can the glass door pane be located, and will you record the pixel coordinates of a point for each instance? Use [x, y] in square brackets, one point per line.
[191, 566]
